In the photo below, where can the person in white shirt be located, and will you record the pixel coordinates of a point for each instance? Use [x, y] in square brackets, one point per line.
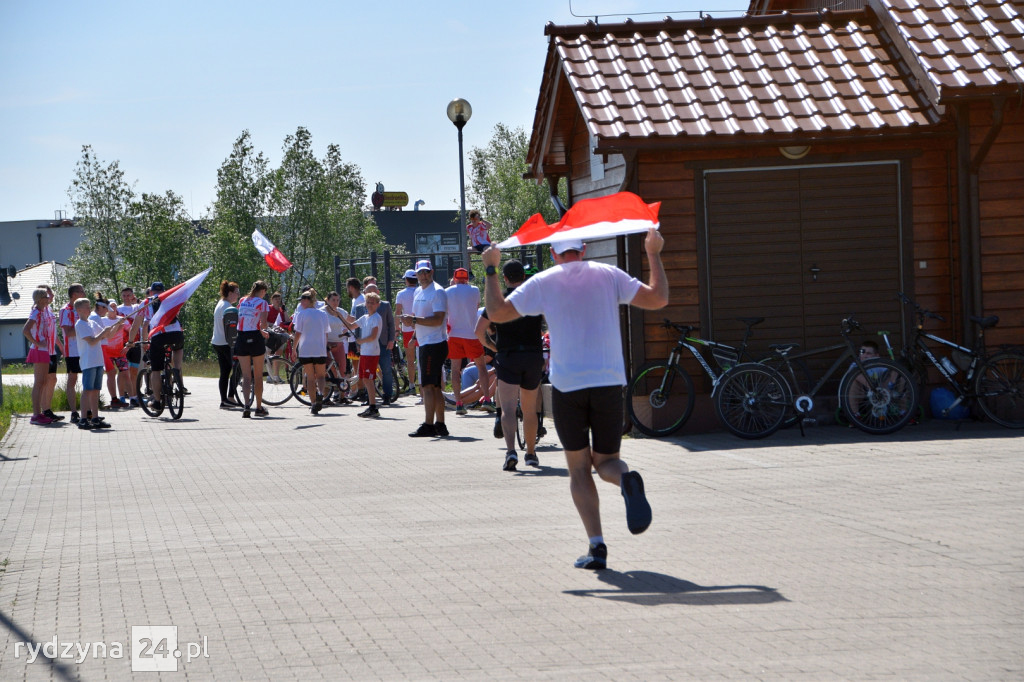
[403, 304]
[370, 326]
[580, 301]
[91, 335]
[311, 330]
[429, 315]
[463, 313]
[67, 320]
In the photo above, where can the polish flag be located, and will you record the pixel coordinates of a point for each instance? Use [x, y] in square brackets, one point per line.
[275, 259]
[172, 300]
[600, 218]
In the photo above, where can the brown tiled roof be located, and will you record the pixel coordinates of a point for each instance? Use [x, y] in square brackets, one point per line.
[964, 48]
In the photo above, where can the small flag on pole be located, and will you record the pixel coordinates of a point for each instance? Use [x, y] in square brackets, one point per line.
[172, 300]
[275, 259]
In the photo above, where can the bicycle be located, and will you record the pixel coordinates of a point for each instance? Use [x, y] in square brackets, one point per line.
[520, 432]
[877, 396]
[172, 393]
[995, 383]
[276, 371]
[660, 396]
[339, 387]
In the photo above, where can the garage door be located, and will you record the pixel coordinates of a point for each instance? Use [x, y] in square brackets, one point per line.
[803, 247]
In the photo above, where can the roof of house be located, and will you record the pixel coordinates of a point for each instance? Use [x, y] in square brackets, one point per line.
[788, 76]
[24, 283]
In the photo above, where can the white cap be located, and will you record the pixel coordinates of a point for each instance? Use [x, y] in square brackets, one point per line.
[423, 265]
[409, 274]
[567, 245]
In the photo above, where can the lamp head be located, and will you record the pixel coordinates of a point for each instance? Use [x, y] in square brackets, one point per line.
[459, 112]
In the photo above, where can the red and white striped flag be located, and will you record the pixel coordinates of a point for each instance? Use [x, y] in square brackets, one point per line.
[600, 218]
[275, 259]
[172, 300]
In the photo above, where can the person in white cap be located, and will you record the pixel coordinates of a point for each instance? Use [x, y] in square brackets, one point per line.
[580, 301]
[403, 304]
[429, 315]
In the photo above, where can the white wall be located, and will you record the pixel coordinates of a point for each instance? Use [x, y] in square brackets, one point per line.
[12, 343]
[20, 242]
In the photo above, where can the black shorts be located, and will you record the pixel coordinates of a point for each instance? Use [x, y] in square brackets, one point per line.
[480, 248]
[158, 344]
[250, 344]
[134, 355]
[322, 360]
[72, 365]
[596, 412]
[54, 361]
[524, 369]
[431, 358]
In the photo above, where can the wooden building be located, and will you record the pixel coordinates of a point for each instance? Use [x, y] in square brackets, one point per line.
[809, 165]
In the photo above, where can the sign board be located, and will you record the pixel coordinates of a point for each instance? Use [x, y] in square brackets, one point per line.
[395, 199]
[437, 242]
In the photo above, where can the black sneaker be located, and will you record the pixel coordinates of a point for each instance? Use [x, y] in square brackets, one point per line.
[370, 411]
[510, 461]
[595, 559]
[531, 459]
[85, 425]
[246, 414]
[541, 432]
[638, 510]
[441, 429]
[316, 407]
[100, 423]
[54, 417]
[424, 431]
[74, 417]
[498, 432]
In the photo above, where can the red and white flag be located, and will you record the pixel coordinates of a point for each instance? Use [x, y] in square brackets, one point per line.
[172, 300]
[275, 259]
[600, 218]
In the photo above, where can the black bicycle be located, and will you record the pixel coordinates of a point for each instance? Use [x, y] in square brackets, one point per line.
[277, 370]
[520, 431]
[877, 396]
[660, 396]
[171, 390]
[993, 383]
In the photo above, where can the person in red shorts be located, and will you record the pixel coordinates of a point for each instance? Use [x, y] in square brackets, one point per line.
[463, 312]
[369, 326]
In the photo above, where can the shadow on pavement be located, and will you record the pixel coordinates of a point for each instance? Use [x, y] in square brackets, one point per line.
[59, 669]
[656, 589]
[542, 470]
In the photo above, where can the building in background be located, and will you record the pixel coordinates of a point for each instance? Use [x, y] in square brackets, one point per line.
[27, 242]
[13, 346]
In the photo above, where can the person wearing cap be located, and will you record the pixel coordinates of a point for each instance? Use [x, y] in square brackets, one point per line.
[429, 315]
[463, 307]
[580, 301]
[403, 303]
[171, 336]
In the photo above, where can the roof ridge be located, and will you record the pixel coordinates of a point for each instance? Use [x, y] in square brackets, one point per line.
[707, 21]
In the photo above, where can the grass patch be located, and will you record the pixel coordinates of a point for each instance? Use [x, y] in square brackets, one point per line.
[201, 368]
[18, 400]
[18, 368]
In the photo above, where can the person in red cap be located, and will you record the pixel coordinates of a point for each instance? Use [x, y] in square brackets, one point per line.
[463, 312]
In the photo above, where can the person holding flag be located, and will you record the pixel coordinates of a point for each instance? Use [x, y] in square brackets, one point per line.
[580, 301]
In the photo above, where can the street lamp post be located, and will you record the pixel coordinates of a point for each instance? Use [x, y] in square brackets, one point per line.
[459, 112]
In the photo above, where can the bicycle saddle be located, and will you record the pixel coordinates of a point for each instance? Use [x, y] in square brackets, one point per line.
[750, 321]
[783, 348]
[985, 322]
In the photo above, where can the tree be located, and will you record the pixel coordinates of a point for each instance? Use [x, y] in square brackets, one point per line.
[497, 187]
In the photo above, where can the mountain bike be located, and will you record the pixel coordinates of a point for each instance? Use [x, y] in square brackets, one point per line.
[877, 396]
[339, 388]
[994, 383]
[276, 372]
[520, 432]
[660, 396]
[172, 393]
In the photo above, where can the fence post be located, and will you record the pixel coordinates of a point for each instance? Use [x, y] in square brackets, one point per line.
[387, 275]
[373, 264]
[540, 257]
[337, 273]
[351, 267]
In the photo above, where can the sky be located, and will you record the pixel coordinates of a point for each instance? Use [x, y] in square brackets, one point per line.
[166, 88]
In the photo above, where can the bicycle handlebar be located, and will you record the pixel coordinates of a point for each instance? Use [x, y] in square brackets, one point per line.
[921, 312]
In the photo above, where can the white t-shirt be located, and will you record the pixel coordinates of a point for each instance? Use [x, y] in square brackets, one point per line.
[313, 326]
[219, 337]
[114, 341]
[358, 306]
[463, 304]
[339, 332]
[250, 309]
[89, 354]
[405, 298]
[367, 323]
[427, 302]
[580, 302]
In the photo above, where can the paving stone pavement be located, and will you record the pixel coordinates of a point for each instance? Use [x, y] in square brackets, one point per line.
[306, 548]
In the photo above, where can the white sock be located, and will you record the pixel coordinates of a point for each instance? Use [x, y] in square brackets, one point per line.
[596, 540]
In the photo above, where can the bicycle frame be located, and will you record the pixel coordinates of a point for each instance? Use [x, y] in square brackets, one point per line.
[804, 403]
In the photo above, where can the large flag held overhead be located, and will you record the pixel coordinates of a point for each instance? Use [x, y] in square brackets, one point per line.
[172, 300]
[600, 218]
[275, 259]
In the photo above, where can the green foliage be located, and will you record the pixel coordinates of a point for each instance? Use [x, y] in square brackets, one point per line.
[497, 187]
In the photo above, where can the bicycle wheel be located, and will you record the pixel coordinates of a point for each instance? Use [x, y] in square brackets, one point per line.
[520, 434]
[882, 399]
[999, 387]
[277, 386]
[295, 384]
[175, 399]
[144, 389]
[660, 399]
[752, 400]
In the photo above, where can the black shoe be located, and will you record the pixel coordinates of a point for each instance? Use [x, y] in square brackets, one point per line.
[316, 407]
[424, 431]
[441, 429]
[99, 423]
[531, 459]
[638, 510]
[227, 405]
[370, 411]
[261, 412]
[595, 559]
[74, 417]
[246, 414]
[85, 425]
[54, 417]
[498, 432]
[510, 461]
[541, 432]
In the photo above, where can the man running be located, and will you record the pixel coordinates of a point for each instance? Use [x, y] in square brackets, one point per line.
[580, 301]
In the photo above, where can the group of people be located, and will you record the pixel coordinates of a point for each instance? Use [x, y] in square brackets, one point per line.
[96, 339]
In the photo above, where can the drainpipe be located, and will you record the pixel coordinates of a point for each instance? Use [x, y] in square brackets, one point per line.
[998, 107]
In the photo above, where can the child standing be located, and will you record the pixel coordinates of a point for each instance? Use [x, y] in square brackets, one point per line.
[91, 335]
[369, 326]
